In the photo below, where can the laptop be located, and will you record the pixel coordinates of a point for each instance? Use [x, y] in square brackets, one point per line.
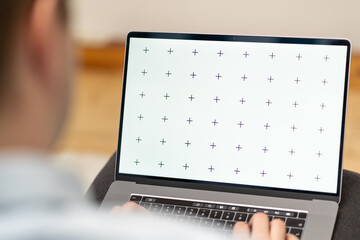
[215, 128]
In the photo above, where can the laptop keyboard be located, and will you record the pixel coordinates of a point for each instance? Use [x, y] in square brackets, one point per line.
[219, 217]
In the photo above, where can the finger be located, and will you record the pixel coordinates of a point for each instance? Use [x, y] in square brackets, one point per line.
[133, 207]
[291, 237]
[260, 228]
[129, 207]
[116, 209]
[277, 229]
[241, 231]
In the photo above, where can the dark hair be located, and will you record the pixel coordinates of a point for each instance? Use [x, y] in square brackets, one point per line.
[13, 13]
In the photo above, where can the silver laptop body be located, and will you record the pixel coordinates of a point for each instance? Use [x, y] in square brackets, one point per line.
[235, 120]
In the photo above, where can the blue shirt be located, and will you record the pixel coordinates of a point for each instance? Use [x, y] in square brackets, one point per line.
[39, 201]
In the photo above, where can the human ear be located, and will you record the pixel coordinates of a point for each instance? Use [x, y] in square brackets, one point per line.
[39, 38]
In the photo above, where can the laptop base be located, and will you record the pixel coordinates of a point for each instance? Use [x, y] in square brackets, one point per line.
[321, 215]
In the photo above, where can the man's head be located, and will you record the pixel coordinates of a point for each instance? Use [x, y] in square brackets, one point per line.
[35, 64]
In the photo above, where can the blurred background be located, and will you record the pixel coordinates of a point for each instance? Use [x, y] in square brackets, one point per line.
[99, 29]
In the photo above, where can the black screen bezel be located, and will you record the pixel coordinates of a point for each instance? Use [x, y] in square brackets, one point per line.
[227, 187]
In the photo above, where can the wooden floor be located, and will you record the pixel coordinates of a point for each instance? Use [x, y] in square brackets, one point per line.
[93, 122]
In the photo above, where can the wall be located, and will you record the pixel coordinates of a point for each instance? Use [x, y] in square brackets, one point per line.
[97, 21]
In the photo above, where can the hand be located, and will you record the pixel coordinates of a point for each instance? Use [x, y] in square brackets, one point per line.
[128, 208]
[262, 229]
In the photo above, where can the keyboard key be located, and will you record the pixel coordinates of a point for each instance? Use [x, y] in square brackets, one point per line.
[295, 222]
[148, 199]
[215, 214]
[276, 213]
[283, 213]
[266, 211]
[228, 234]
[291, 214]
[302, 215]
[155, 208]
[182, 219]
[194, 221]
[203, 213]
[168, 201]
[228, 216]
[221, 207]
[199, 205]
[253, 210]
[145, 205]
[230, 225]
[243, 209]
[179, 210]
[191, 212]
[287, 230]
[218, 224]
[209, 205]
[158, 215]
[233, 208]
[167, 209]
[297, 232]
[219, 231]
[240, 217]
[206, 222]
[135, 198]
[170, 217]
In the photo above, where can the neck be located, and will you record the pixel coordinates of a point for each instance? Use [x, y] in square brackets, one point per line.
[22, 125]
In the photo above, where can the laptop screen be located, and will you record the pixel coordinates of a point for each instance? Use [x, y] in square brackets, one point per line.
[264, 112]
